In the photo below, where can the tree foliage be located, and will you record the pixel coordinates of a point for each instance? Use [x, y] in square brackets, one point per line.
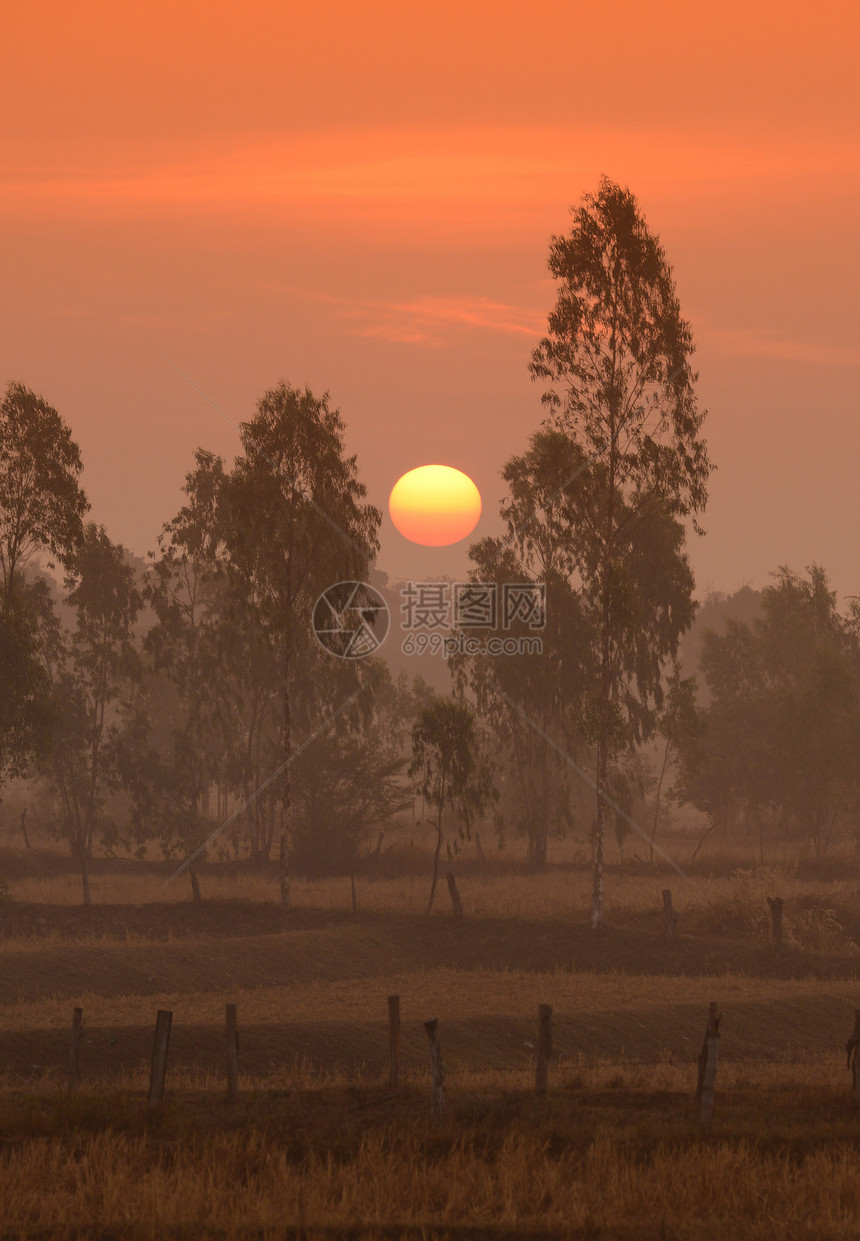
[41, 510]
[233, 588]
[25, 694]
[537, 795]
[296, 524]
[450, 770]
[91, 672]
[620, 394]
[777, 745]
[41, 502]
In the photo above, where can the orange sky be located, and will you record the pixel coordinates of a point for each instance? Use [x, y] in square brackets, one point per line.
[359, 198]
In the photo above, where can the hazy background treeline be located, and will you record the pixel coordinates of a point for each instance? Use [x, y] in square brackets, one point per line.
[142, 700]
[145, 703]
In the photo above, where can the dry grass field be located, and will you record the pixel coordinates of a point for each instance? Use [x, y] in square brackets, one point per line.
[318, 1144]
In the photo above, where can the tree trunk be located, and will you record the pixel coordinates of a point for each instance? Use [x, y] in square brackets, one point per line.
[270, 829]
[435, 862]
[712, 827]
[456, 903]
[597, 874]
[598, 831]
[657, 803]
[537, 849]
[605, 653]
[602, 740]
[85, 877]
[287, 738]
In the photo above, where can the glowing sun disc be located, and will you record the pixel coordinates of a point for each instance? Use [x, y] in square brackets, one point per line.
[435, 505]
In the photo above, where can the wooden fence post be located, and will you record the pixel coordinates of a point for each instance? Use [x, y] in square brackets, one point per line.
[544, 1047]
[851, 1048]
[670, 918]
[455, 895]
[195, 886]
[75, 1064]
[437, 1096]
[159, 1056]
[232, 1055]
[394, 1040]
[776, 904]
[708, 1063]
[285, 883]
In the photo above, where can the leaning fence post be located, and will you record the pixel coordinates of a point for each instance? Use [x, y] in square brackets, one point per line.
[195, 885]
[394, 1040]
[670, 918]
[708, 1063]
[77, 1033]
[455, 895]
[232, 1055]
[776, 904]
[159, 1056]
[544, 1047]
[851, 1048]
[437, 1096]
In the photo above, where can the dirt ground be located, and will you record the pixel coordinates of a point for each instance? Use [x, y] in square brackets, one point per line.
[311, 987]
[313, 984]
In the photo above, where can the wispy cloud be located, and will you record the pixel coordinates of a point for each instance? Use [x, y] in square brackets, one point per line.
[499, 175]
[431, 321]
[428, 320]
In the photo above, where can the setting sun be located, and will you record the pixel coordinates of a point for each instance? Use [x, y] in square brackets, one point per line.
[435, 505]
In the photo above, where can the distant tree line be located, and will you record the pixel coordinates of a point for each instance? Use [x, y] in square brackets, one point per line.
[156, 699]
[775, 748]
[158, 688]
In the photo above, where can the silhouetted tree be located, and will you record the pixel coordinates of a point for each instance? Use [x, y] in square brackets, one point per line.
[678, 725]
[234, 586]
[91, 673]
[344, 787]
[538, 795]
[450, 770]
[41, 510]
[207, 713]
[25, 691]
[297, 525]
[779, 739]
[620, 390]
